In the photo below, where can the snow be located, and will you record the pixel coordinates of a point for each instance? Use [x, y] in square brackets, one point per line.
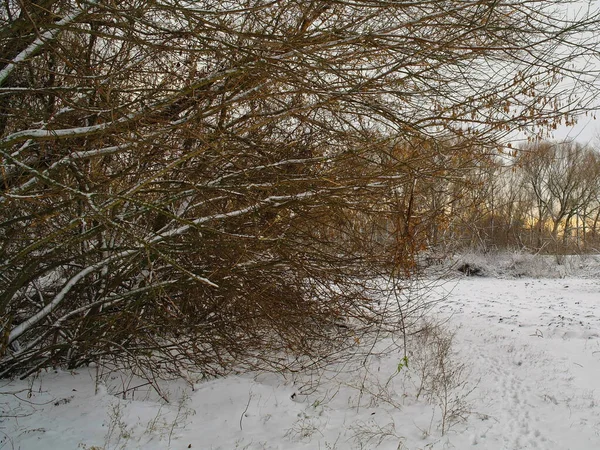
[526, 354]
[38, 43]
[535, 346]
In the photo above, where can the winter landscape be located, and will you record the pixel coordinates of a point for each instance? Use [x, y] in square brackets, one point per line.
[524, 363]
[299, 224]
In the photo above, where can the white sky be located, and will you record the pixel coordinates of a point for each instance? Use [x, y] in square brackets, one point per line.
[586, 131]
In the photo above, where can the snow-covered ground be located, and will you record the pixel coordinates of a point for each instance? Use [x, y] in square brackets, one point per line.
[525, 375]
[535, 345]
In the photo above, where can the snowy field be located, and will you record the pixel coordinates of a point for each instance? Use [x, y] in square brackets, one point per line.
[524, 373]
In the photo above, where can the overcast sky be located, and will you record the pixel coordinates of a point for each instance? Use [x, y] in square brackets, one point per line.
[586, 131]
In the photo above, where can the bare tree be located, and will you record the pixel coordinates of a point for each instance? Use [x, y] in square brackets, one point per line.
[564, 180]
[194, 182]
[536, 163]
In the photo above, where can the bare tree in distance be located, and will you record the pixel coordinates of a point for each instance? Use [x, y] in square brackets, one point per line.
[542, 198]
[564, 178]
[191, 183]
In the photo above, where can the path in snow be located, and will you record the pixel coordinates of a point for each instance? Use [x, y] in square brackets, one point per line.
[535, 346]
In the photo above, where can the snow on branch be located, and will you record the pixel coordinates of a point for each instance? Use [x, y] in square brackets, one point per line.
[58, 298]
[37, 44]
[274, 200]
